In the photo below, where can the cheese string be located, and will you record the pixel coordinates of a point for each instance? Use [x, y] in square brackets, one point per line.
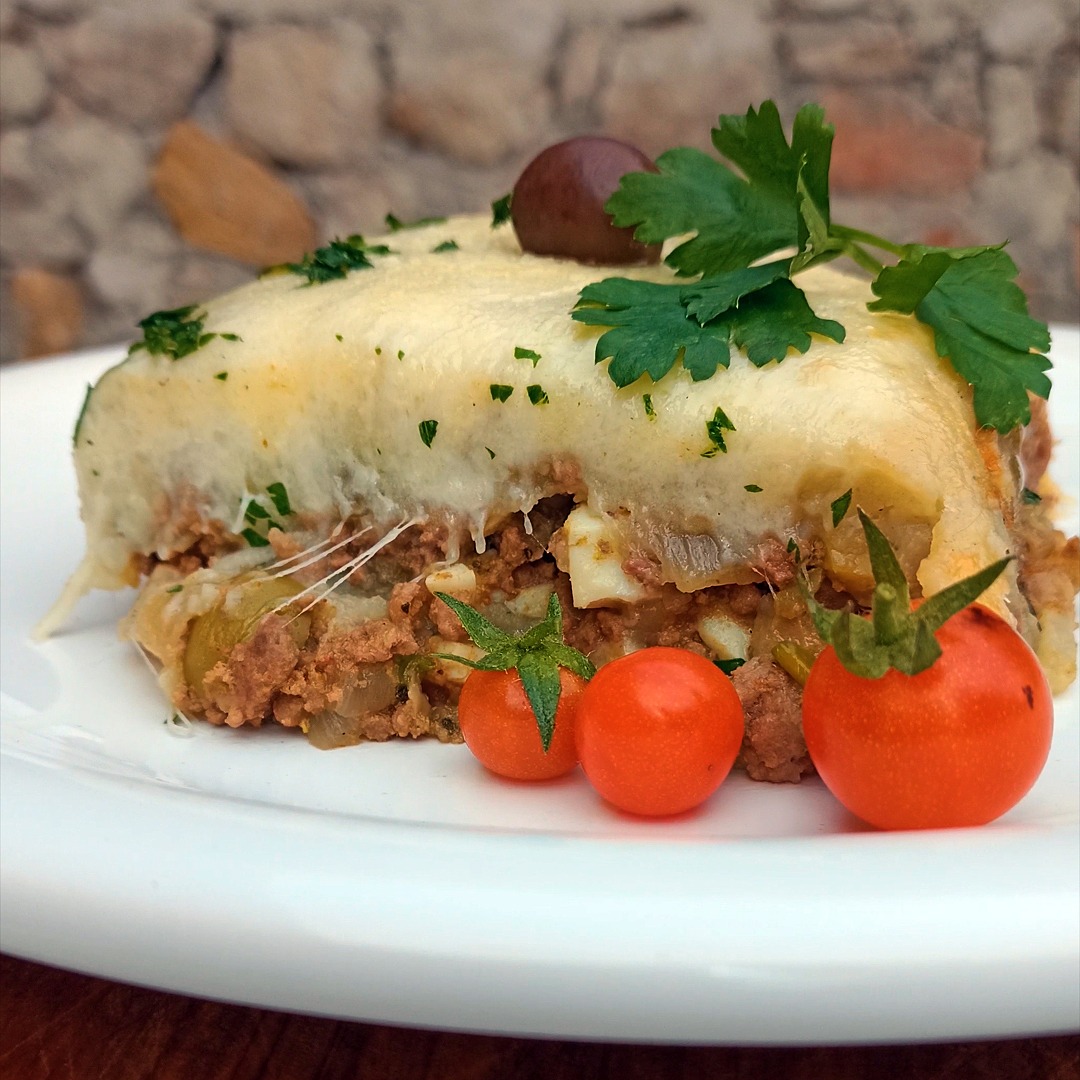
[343, 572]
[286, 566]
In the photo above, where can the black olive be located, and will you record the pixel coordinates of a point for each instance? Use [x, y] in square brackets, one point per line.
[558, 202]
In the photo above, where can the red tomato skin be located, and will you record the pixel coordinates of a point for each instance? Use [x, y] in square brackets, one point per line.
[499, 727]
[658, 730]
[957, 745]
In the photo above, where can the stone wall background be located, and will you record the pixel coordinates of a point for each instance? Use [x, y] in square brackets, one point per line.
[154, 152]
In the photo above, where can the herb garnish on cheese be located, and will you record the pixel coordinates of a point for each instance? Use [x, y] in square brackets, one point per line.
[967, 296]
[175, 333]
[334, 261]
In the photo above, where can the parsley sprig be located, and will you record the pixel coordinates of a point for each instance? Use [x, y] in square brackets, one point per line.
[536, 654]
[653, 325]
[779, 198]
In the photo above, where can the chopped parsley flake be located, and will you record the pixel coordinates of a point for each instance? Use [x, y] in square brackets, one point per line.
[254, 538]
[1030, 497]
[753, 488]
[280, 498]
[255, 511]
[715, 429]
[256, 515]
[427, 431]
[500, 211]
[334, 261]
[401, 354]
[378, 350]
[536, 394]
[446, 245]
[175, 333]
[526, 354]
[729, 667]
[174, 588]
[395, 224]
[221, 376]
[500, 391]
[840, 507]
[491, 453]
[650, 410]
[339, 337]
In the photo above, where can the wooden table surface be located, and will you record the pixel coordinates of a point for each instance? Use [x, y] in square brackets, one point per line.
[59, 1024]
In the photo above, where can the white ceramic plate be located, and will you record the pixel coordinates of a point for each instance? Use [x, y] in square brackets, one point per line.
[400, 883]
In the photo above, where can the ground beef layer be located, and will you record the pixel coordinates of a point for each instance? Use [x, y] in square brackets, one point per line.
[356, 666]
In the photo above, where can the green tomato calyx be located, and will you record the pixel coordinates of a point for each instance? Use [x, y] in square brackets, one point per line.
[536, 654]
[894, 636]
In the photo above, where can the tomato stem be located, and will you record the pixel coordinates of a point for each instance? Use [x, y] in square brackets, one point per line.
[894, 636]
[891, 614]
[536, 654]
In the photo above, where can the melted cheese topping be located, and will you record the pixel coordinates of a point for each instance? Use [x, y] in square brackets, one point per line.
[330, 382]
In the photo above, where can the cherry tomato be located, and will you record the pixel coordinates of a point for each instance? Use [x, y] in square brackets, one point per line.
[499, 727]
[958, 744]
[658, 730]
